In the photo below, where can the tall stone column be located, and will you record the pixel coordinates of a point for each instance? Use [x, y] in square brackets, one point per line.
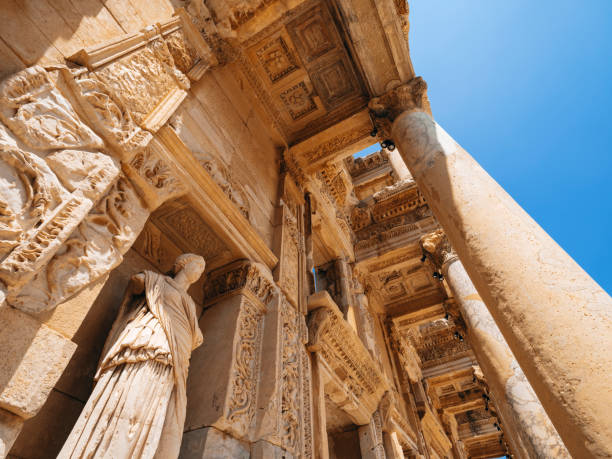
[524, 419]
[555, 318]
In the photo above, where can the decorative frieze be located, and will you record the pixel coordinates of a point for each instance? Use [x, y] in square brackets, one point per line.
[358, 384]
[242, 276]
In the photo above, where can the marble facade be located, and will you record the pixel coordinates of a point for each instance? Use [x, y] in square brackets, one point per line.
[351, 307]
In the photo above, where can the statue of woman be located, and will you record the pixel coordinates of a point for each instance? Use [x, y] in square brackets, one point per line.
[137, 408]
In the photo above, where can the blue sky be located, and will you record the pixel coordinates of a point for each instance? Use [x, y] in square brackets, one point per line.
[526, 88]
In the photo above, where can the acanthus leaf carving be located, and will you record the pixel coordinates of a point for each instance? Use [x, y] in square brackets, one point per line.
[245, 369]
[240, 276]
[405, 97]
[437, 248]
[157, 181]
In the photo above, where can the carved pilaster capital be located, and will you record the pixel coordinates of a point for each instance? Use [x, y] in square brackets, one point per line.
[243, 276]
[406, 97]
[437, 248]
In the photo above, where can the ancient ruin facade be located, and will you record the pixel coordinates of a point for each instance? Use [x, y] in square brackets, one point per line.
[397, 305]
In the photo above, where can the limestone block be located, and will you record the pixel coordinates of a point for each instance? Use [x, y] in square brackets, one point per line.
[34, 358]
[264, 450]
[43, 435]
[10, 426]
[210, 443]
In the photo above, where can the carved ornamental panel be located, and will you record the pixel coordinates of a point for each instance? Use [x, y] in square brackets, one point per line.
[302, 69]
[354, 382]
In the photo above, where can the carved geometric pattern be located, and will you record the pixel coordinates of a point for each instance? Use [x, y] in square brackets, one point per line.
[298, 100]
[276, 59]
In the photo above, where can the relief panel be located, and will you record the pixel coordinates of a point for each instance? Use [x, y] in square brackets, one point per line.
[276, 59]
[298, 100]
[53, 171]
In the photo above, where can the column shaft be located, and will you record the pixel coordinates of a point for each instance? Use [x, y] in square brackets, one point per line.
[524, 419]
[555, 318]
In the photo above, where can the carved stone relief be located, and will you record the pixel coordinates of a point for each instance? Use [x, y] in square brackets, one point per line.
[54, 171]
[290, 402]
[94, 248]
[357, 381]
[245, 370]
[186, 228]
[240, 276]
[224, 178]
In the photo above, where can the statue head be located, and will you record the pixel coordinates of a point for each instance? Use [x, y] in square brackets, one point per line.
[192, 265]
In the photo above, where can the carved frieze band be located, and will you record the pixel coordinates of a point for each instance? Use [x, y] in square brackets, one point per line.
[242, 276]
[342, 350]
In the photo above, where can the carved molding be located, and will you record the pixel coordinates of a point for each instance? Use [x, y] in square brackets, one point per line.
[360, 166]
[242, 276]
[358, 384]
[408, 357]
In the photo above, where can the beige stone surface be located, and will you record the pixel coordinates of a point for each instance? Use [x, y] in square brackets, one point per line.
[10, 426]
[540, 298]
[210, 443]
[35, 356]
[42, 436]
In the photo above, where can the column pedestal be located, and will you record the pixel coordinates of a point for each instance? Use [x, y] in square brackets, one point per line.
[555, 318]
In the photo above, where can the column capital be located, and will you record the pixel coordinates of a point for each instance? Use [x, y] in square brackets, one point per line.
[437, 248]
[405, 97]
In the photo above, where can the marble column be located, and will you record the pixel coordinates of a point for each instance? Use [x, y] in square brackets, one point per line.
[555, 318]
[524, 420]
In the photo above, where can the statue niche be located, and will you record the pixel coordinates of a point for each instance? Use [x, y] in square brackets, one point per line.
[137, 408]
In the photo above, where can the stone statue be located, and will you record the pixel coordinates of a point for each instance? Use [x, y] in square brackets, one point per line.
[137, 408]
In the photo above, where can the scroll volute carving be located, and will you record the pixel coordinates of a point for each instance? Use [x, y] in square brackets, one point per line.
[437, 248]
[405, 97]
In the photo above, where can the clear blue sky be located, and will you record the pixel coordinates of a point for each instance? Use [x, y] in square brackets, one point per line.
[526, 88]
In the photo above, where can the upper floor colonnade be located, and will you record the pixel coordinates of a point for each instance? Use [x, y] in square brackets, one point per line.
[555, 318]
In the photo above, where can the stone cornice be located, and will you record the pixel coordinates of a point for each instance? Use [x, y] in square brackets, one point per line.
[358, 383]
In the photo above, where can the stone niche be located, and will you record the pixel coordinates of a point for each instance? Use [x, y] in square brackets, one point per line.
[173, 229]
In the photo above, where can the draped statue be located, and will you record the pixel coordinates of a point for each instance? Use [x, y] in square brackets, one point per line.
[137, 408]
